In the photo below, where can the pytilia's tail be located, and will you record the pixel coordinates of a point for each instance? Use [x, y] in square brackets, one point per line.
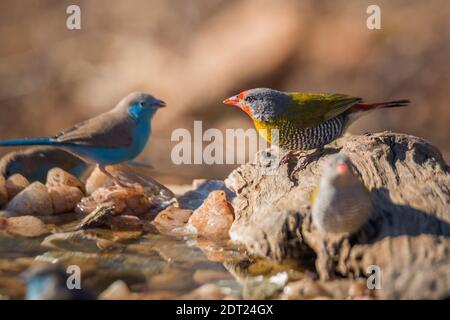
[372, 106]
[28, 142]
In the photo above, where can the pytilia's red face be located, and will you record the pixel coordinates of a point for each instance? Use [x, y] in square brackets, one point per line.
[239, 101]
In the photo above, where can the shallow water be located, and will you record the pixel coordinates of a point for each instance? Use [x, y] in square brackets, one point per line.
[154, 266]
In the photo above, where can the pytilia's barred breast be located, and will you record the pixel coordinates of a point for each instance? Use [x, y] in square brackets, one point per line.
[292, 137]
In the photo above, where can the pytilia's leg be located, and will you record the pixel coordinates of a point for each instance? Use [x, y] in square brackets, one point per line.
[289, 155]
[307, 159]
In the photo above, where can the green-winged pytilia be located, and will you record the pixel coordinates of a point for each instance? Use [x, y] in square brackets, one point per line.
[303, 121]
[340, 202]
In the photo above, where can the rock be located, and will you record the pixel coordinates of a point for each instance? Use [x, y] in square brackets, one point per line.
[141, 176]
[82, 241]
[124, 200]
[214, 217]
[96, 180]
[64, 198]
[33, 200]
[124, 223]
[118, 290]
[57, 177]
[3, 191]
[15, 184]
[172, 220]
[96, 218]
[158, 197]
[207, 291]
[172, 279]
[26, 226]
[202, 188]
[207, 276]
[303, 289]
[35, 162]
[273, 214]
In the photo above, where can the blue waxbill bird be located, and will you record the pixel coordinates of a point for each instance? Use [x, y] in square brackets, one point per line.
[112, 137]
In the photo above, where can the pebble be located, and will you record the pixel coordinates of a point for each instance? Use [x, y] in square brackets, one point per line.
[124, 200]
[26, 226]
[172, 220]
[118, 290]
[214, 217]
[203, 276]
[305, 288]
[15, 184]
[57, 177]
[64, 198]
[124, 223]
[33, 200]
[3, 192]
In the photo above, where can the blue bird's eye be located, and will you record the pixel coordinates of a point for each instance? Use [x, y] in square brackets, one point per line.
[142, 104]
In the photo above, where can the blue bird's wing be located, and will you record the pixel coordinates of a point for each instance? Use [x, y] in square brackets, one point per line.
[110, 130]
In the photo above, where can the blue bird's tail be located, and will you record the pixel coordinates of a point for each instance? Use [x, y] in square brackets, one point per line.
[28, 142]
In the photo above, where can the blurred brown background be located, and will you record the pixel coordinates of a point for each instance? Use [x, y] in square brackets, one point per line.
[195, 53]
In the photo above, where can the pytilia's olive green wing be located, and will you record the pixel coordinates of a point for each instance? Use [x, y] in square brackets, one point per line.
[309, 109]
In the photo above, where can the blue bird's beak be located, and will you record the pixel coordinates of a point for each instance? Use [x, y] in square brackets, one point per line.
[160, 104]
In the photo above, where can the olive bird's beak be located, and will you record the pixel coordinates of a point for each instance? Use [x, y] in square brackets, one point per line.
[233, 101]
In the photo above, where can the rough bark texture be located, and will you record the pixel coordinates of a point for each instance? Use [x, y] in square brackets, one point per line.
[408, 236]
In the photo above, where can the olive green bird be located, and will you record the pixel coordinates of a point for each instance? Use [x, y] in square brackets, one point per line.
[303, 121]
[340, 202]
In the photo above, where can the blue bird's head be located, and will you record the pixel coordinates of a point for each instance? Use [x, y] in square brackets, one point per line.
[141, 106]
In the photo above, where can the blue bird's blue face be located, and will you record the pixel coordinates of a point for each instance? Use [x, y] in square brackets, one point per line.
[144, 108]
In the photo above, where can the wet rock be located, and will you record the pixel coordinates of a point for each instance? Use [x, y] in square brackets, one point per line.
[202, 188]
[3, 191]
[118, 290]
[214, 217]
[273, 213]
[172, 220]
[35, 162]
[25, 226]
[261, 287]
[207, 276]
[15, 184]
[64, 198]
[205, 292]
[82, 241]
[130, 175]
[97, 180]
[96, 218]
[33, 200]
[124, 200]
[172, 279]
[57, 177]
[124, 223]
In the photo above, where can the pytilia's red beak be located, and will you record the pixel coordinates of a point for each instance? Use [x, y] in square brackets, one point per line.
[342, 168]
[234, 101]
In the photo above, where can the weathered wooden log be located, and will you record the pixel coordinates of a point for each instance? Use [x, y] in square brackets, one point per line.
[407, 237]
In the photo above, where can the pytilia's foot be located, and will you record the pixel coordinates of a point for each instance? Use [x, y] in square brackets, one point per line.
[117, 180]
[289, 155]
[307, 159]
